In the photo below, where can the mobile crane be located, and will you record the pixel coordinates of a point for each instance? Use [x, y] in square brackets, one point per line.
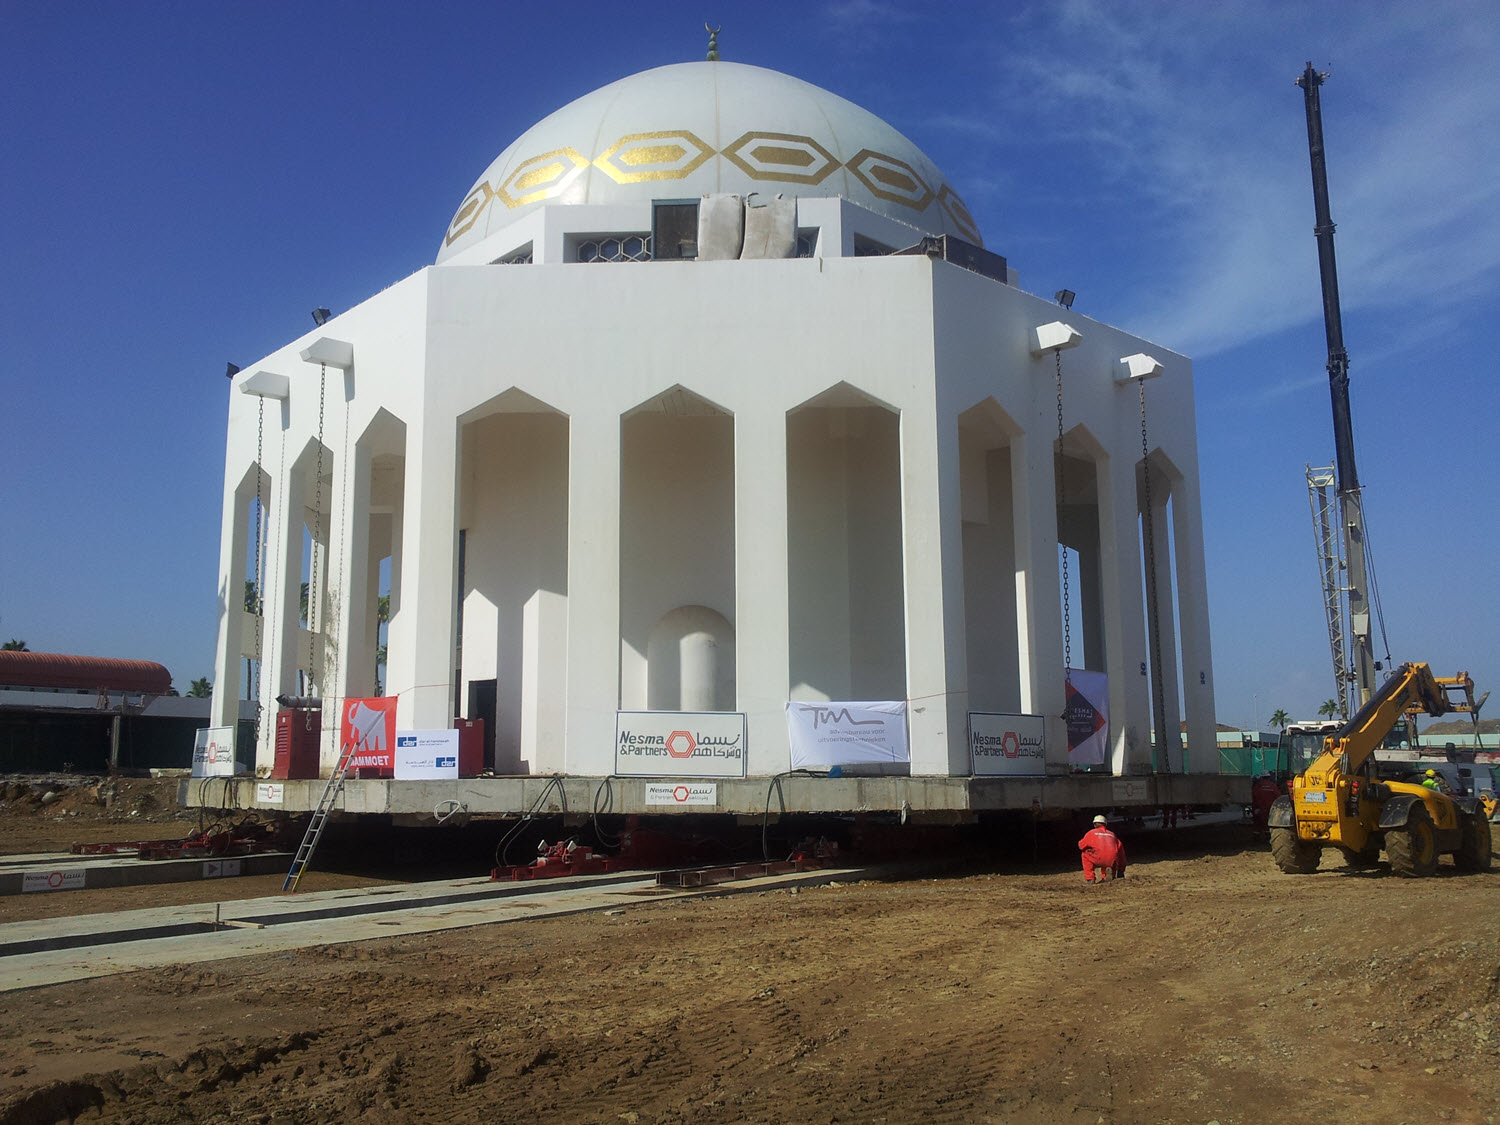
[1345, 799]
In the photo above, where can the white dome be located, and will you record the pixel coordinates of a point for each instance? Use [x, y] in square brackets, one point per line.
[682, 131]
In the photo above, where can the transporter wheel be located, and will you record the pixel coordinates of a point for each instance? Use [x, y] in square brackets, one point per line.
[1413, 847]
[1474, 853]
[1294, 855]
[1366, 859]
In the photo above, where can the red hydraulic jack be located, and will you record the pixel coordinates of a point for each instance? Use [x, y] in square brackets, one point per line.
[242, 839]
[566, 857]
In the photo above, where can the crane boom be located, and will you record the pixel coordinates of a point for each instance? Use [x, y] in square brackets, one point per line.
[1351, 513]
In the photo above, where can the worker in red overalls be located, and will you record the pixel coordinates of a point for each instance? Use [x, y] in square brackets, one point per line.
[1103, 853]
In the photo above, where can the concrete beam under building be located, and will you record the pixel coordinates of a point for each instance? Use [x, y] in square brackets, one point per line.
[945, 799]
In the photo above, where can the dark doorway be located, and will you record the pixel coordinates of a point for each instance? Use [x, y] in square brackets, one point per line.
[482, 706]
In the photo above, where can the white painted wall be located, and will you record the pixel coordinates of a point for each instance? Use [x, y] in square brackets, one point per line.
[859, 497]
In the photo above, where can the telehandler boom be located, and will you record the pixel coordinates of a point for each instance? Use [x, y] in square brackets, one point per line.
[1343, 801]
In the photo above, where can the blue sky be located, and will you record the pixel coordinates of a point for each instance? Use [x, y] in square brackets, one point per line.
[183, 182]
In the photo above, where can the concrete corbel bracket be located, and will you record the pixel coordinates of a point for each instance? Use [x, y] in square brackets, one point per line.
[1138, 367]
[1054, 337]
[334, 353]
[267, 384]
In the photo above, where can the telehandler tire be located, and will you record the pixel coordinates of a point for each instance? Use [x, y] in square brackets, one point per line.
[1294, 855]
[1412, 848]
[1474, 853]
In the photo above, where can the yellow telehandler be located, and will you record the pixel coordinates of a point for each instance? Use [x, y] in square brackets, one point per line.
[1344, 800]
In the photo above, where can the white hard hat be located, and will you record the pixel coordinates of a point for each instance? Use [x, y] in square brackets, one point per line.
[1100, 819]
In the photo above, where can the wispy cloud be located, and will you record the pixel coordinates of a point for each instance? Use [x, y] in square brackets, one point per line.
[1179, 122]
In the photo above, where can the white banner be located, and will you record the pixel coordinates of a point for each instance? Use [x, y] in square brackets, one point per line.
[1088, 717]
[679, 744]
[683, 793]
[1007, 745]
[33, 881]
[213, 752]
[426, 755]
[846, 734]
[269, 793]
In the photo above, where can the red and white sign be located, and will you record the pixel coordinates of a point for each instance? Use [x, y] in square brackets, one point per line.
[683, 793]
[370, 726]
[1007, 745]
[34, 881]
[213, 752]
[1088, 717]
[679, 744]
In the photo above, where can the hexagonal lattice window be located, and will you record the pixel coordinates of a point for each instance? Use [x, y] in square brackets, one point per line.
[615, 248]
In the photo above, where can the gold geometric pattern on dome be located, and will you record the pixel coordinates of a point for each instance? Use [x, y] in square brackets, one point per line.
[469, 211]
[891, 179]
[781, 156]
[959, 213]
[642, 157]
[541, 177]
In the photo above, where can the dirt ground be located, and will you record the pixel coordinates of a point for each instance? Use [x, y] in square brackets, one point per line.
[1205, 987]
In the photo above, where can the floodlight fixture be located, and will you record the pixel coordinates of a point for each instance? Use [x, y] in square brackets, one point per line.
[231, 370]
[1064, 297]
[321, 317]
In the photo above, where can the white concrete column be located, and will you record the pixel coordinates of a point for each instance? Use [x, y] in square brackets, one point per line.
[422, 639]
[283, 607]
[937, 676]
[1168, 724]
[233, 544]
[354, 671]
[1192, 611]
[762, 593]
[1129, 663]
[593, 690]
[1038, 595]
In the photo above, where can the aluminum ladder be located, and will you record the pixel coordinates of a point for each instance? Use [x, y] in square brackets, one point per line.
[320, 815]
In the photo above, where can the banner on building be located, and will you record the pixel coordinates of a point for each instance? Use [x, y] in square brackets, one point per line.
[679, 744]
[426, 755]
[213, 752]
[847, 734]
[1007, 745]
[1088, 717]
[370, 726]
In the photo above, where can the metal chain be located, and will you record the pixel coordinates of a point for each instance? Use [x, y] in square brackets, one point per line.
[312, 584]
[1158, 688]
[260, 544]
[1062, 551]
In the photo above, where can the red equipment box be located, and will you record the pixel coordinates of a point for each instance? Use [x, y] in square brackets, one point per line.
[298, 735]
[470, 746]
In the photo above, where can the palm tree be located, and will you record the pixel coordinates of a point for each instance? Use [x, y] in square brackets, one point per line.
[14, 645]
[200, 688]
[252, 596]
[1330, 708]
[383, 615]
[1279, 719]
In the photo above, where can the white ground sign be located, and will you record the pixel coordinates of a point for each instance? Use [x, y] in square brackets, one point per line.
[679, 744]
[426, 755]
[846, 734]
[269, 793]
[683, 793]
[213, 752]
[34, 881]
[1007, 745]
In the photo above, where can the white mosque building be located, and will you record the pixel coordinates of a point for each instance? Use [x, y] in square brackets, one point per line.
[712, 404]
